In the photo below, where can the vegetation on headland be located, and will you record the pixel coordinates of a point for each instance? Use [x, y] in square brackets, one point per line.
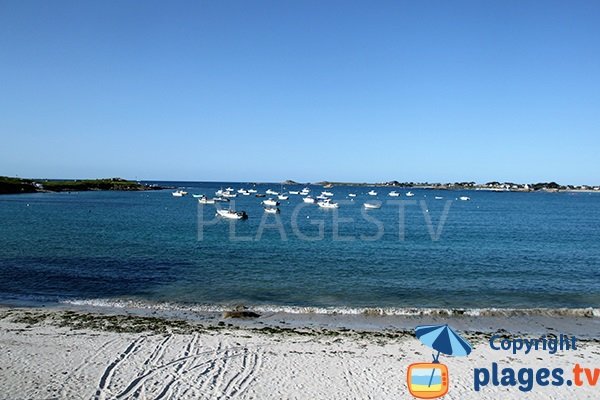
[9, 185]
[493, 186]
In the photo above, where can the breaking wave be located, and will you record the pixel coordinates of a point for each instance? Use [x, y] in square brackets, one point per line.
[365, 311]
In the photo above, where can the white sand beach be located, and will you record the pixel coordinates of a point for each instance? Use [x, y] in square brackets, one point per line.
[54, 354]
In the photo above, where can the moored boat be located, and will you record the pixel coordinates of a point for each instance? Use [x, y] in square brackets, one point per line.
[372, 193]
[230, 214]
[371, 206]
[327, 203]
[270, 202]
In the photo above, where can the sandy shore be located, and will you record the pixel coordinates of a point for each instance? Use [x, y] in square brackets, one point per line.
[62, 354]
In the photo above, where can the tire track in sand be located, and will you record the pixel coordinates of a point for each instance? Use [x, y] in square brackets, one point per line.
[151, 361]
[106, 377]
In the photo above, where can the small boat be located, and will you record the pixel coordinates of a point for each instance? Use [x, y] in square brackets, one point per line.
[410, 194]
[241, 191]
[309, 200]
[179, 193]
[326, 193]
[197, 196]
[327, 204]
[294, 192]
[322, 197]
[351, 194]
[206, 200]
[259, 195]
[251, 190]
[230, 214]
[328, 186]
[393, 193]
[305, 191]
[283, 197]
[464, 198]
[229, 189]
[372, 206]
[269, 191]
[438, 197]
[229, 194]
[219, 192]
[372, 193]
[270, 202]
[272, 210]
[221, 199]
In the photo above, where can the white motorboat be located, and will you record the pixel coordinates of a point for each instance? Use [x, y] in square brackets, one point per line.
[270, 202]
[305, 191]
[252, 190]
[372, 206]
[179, 193]
[372, 193]
[351, 194]
[230, 214]
[197, 196]
[270, 191]
[438, 197]
[464, 198]
[327, 203]
[309, 200]
[294, 192]
[229, 194]
[326, 193]
[393, 193]
[322, 197]
[206, 200]
[241, 191]
[229, 189]
[246, 193]
[272, 210]
[410, 194]
[219, 192]
[221, 199]
[283, 197]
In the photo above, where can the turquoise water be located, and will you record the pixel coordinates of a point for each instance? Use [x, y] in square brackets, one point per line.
[507, 250]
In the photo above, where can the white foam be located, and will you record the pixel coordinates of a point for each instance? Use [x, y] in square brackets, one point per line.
[368, 311]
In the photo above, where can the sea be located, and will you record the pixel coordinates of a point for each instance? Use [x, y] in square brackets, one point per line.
[508, 251]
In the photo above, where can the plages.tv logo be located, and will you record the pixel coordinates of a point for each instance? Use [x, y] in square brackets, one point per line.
[431, 380]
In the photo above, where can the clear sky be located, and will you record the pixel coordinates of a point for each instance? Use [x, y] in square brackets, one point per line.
[305, 90]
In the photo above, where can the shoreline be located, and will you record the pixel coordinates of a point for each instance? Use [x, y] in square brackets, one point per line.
[578, 322]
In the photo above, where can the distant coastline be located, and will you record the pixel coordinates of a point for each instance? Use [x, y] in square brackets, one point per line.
[489, 186]
[9, 185]
[14, 185]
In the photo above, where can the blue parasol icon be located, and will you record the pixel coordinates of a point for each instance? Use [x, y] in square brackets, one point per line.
[443, 339]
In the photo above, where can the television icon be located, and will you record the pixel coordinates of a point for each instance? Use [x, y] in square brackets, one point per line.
[427, 380]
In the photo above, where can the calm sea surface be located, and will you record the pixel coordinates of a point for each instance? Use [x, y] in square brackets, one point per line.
[515, 250]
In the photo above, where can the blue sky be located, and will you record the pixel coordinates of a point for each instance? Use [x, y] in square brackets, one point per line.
[304, 90]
